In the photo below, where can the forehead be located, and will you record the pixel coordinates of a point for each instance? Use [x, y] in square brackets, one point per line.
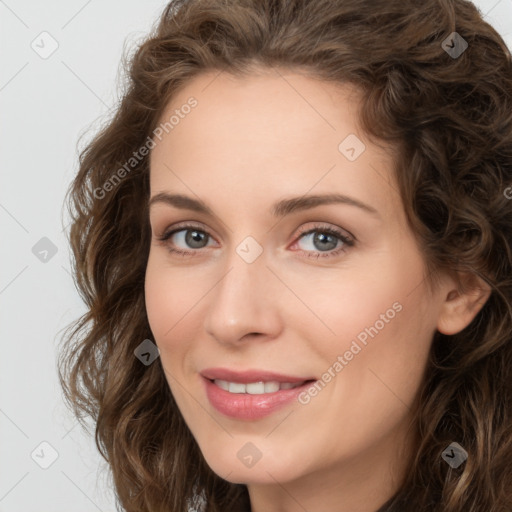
[269, 104]
[272, 133]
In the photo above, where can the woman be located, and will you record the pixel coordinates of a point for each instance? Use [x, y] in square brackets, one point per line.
[294, 239]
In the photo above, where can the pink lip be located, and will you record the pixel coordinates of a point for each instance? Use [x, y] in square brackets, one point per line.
[250, 376]
[244, 406]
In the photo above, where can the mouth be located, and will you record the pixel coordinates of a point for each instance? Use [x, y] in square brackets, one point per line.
[251, 401]
[252, 376]
[257, 388]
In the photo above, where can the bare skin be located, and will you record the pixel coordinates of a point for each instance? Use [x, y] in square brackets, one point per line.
[300, 304]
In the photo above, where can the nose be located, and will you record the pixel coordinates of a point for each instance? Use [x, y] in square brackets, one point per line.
[244, 303]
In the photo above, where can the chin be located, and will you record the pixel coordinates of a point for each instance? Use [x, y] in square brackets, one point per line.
[231, 467]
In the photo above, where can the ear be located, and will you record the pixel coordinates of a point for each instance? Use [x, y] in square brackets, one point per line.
[464, 299]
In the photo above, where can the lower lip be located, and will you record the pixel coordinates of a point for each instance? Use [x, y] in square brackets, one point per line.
[244, 406]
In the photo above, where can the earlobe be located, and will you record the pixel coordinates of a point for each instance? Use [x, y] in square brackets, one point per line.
[462, 304]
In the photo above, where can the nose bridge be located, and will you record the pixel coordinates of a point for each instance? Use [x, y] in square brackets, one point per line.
[243, 301]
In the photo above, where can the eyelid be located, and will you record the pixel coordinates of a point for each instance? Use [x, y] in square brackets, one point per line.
[183, 226]
[302, 230]
[320, 226]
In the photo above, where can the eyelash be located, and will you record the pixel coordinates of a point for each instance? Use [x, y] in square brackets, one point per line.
[347, 242]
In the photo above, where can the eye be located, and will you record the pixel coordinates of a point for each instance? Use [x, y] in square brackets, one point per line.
[185, 237]
[323, 241]
[318, 241]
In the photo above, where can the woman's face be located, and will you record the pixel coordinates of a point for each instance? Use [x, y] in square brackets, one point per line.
[268, 284]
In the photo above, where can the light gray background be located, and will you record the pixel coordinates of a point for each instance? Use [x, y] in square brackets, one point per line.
[46, 105]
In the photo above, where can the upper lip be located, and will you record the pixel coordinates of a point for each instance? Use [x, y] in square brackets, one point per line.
[250, 376]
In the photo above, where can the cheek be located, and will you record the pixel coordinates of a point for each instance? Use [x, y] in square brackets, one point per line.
[158, 302]
[383, 326]
[166, 309]
[349, 308]
[385, 345]
[175, 307]
[369, 393]
[167, 300]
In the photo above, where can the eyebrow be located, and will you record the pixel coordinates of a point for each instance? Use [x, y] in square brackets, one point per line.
[279, 209]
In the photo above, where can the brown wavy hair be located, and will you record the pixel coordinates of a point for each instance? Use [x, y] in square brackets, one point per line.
[450, 120]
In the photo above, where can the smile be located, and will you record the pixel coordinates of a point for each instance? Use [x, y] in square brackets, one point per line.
[255, 388]
[253, 400]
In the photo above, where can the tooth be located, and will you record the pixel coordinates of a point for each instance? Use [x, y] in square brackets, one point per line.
[236, 387]
[223, 384]
[271, 387]
[256, 388]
